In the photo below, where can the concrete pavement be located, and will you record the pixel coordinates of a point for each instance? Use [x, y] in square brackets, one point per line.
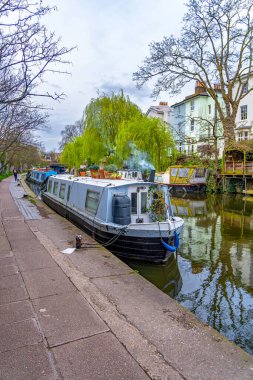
[88, 315]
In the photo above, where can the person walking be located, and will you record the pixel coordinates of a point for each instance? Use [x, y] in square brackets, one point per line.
[15, 173]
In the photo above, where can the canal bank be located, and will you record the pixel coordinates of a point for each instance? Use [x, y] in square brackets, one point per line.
[87, 315]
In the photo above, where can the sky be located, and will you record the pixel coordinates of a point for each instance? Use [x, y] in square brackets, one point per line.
[112, 39]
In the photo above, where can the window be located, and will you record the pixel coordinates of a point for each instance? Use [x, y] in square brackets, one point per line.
[240, 138]
[209, 109]
[244, 112]
[143, 203]
[174, 172]
[245, 88]
[192, 125]
[55, 189]
[92, 199]
[246, 135]
[192, 105]
[183, 172]
[43, 177]
[200, 172]
[68, 195]
[133, 203]
[49, 188]
[62, 190]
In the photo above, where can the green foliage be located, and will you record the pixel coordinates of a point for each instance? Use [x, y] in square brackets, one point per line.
[148, 135]
[156, 202]
[93, 167]
[112, 168]
[5, 175]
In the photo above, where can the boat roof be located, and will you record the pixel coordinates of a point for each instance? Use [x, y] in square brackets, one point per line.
[101, 182]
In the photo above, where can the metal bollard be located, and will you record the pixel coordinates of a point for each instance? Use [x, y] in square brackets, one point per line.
[78, 241]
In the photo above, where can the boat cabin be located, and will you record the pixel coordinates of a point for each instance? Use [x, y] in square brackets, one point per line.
[40, 175]
[118, 201]
[187, 175]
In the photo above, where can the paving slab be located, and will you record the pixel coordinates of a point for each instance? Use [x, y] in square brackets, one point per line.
[13, 281]
[47, 281]
[16, 312]
[5, 248]
[67, 317]
[7, 270]
[96, 263]
[26, 363]
[19, 334]
[13, 294]
[7, 260]
[97, 358]
[28, 260]
[176, 332]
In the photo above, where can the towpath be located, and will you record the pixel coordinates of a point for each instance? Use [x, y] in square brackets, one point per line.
[88, 315]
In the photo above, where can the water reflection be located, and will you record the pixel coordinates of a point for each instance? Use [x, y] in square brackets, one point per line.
[166, 276]
[216, 264]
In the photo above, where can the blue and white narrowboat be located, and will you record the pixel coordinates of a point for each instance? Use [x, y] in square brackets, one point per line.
[39, 176]
[118, 214]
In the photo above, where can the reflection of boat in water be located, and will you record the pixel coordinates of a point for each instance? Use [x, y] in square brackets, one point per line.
[237, 215]
[188, 207]
[165, 276]
[184, 179]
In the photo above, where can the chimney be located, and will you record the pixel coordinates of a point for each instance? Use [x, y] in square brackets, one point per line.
[217, 87]
[199, 88]
[163, 104]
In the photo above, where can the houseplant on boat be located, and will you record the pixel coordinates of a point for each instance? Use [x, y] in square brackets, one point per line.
[94, 170]
[111, 172]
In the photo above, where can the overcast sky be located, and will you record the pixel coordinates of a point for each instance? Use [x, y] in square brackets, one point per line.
[112, 38]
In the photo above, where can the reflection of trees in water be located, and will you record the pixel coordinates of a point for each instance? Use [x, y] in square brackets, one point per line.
[223, 299]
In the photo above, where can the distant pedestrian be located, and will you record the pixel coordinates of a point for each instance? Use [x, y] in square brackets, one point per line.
[15, 173]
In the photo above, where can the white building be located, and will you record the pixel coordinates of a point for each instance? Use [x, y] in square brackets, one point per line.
[244, 117]
[162, 111]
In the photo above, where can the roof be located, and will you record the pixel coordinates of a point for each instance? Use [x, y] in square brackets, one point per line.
[243, 146]
[100, 182]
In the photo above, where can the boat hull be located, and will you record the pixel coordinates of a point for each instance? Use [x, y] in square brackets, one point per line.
[187, 188]
[129, 247]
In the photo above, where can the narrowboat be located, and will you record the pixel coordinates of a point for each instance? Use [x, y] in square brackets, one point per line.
[39, 176]
[132, 218]
[184, 179]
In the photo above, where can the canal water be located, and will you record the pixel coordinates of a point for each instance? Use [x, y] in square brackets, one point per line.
[212, 275]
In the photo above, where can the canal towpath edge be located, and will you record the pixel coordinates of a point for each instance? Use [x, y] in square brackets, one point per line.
[88, 315]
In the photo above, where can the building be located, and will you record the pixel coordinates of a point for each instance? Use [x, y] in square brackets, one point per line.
[162, 111]
[244, 117]
[195, 124]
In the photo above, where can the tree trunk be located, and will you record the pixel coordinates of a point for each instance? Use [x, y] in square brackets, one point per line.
[229, 129]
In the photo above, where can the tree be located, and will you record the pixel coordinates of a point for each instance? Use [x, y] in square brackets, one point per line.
[70, 132]
[28, 50]
[148, 135]
[111, 124]
[17, 123]
[215, 48]
[105, 113]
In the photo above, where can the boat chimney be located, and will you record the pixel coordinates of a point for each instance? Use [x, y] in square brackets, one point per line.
[152, 176]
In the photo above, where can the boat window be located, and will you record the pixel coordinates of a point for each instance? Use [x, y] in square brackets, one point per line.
[134, 203]
[200, 172]
[43, 177]
[92, 199]
[55, 189]
[174, 172]
[49, 188]
[37, 175]
[62, 190]
[183, 172]
[144, 202]
[68, 195]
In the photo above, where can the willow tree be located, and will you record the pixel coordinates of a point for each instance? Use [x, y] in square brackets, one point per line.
[214, 48]
[150, 135]
[104, 115]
